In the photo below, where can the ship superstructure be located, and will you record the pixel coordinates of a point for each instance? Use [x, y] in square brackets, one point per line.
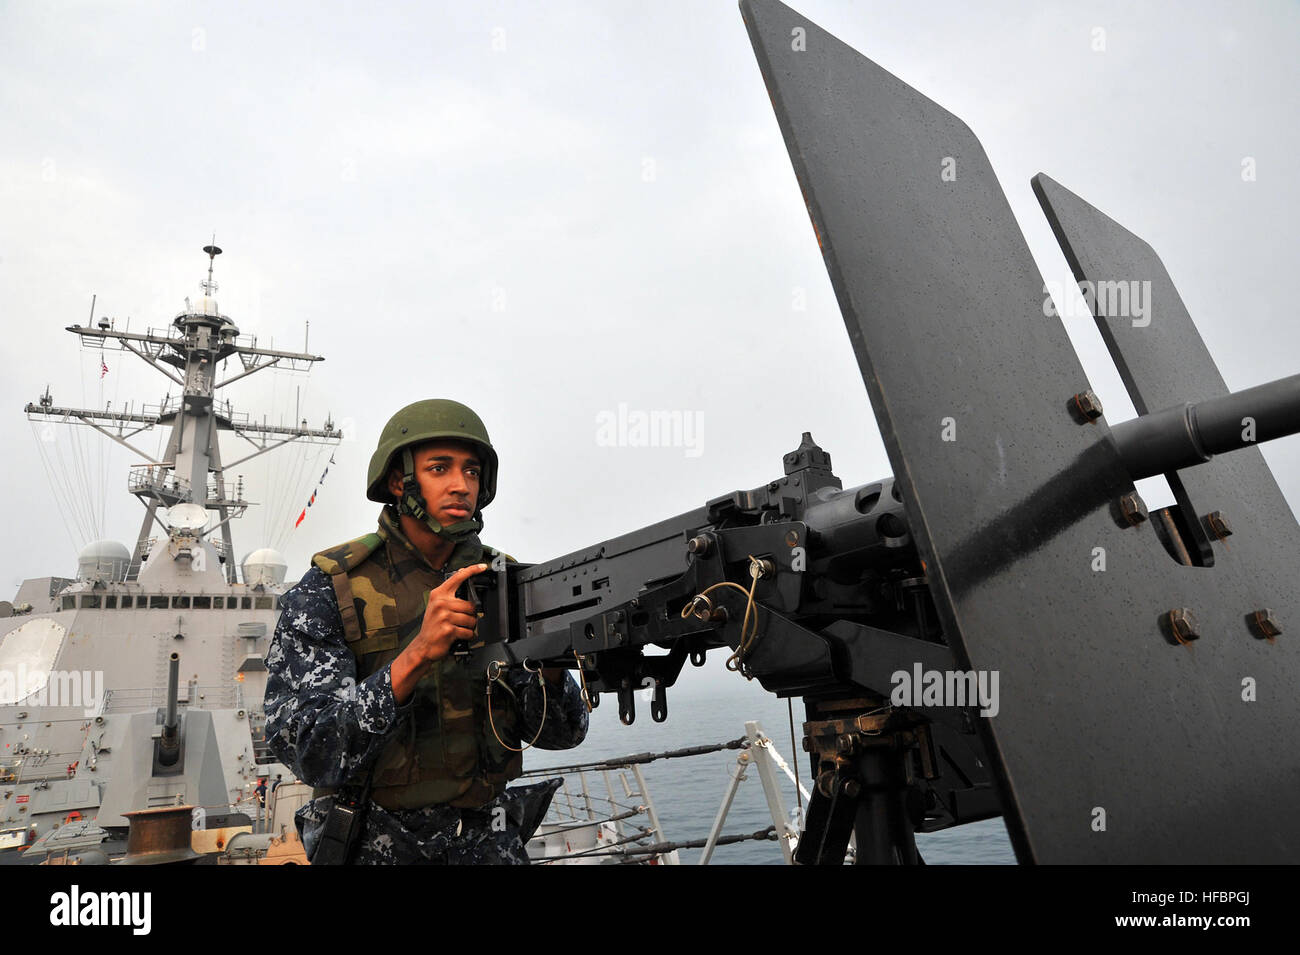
[88, 728]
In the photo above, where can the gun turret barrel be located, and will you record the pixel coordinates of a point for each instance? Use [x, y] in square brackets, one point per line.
[1191, 434]
[169, 747]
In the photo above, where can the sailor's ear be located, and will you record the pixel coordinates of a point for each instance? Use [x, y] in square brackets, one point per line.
[395, 482]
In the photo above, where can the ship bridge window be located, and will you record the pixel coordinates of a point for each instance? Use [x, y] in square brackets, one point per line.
[126, 602]
[181, 603]
[157, 602]
[90, 602]
[69, 603]
[262, 603]
[247, 602]
[218, 603]
[202, 603]
[110, 601]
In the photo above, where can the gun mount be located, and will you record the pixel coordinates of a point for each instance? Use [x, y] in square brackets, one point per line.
[1010, 544]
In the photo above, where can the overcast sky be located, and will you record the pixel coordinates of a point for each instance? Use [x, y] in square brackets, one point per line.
[549, 210]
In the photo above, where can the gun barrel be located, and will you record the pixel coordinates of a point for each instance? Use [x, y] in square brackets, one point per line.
[170, 744]
[1191, 434]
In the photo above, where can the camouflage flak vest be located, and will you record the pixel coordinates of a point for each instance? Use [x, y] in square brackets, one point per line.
[447, 753]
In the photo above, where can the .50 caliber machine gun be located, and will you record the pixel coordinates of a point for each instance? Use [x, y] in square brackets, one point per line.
[1002, 626]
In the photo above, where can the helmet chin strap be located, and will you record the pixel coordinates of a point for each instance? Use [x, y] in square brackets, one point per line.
[412, 502]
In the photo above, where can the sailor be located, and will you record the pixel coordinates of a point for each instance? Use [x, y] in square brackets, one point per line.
[364, 700]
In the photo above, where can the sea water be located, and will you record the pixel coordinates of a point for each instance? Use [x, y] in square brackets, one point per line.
[687, 792]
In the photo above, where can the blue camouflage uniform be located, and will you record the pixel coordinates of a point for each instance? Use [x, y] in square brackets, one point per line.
[330, 728]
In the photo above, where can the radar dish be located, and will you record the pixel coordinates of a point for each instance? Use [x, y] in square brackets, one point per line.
[187, 517]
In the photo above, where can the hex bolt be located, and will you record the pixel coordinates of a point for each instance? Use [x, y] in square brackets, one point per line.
[844, 744]
[699, 545]
[852, 788]
[1133, 509]
[1217, 524]
[1265, 623]
[1183, 624]
[1088, 405]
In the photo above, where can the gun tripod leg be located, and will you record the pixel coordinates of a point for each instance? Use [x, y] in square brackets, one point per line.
[866, 794]
[882, 825]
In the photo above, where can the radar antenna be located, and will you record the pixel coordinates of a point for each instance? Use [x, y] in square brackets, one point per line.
[213, 251]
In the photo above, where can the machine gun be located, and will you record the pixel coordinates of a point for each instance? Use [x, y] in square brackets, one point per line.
[817, 590]
[1142, 683]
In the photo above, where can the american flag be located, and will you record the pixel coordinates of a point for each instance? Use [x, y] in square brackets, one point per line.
[103, 368]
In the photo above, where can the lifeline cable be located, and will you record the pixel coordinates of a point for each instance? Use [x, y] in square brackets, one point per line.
[494, 675]
[702, 607]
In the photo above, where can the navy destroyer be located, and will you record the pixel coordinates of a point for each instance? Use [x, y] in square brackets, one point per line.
[137, 683]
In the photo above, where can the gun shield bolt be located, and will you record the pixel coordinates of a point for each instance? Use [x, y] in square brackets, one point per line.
[1183, 625]
[699, 545]
[844, 744]
[1088, 405]
[1217, 524]
[1133, 509]
[1265, 623]
[792, 538]
[852, 788]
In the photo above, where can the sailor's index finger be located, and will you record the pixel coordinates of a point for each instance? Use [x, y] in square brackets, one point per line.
[452, 583]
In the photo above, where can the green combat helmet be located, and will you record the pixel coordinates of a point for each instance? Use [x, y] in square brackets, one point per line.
[430, 420]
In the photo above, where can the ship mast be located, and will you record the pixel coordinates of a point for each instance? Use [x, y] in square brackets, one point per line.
[191, 470]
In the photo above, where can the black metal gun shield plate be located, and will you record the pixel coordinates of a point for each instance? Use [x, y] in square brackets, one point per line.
[1111, 743]
[1163, 362]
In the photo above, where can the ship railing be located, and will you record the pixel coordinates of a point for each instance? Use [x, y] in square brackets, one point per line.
[192, 695]
[152, 479]
[237, 419]
[169, 405]
[217, 495]
[622, 840]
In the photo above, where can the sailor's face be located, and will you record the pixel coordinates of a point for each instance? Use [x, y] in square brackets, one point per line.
[448, 473]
